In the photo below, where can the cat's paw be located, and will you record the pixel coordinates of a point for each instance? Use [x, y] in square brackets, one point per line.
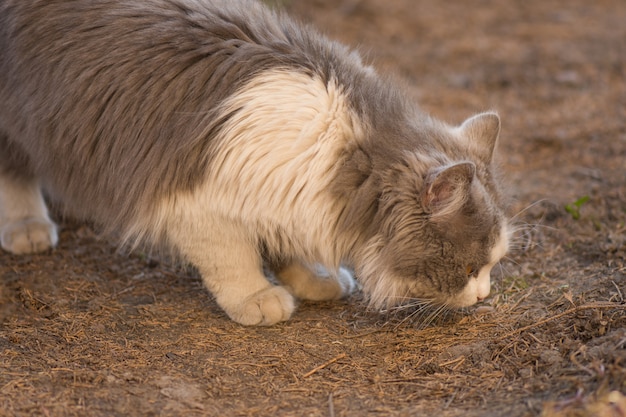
[346, 281]
[318, 285]
[264, 308]
[28, 236]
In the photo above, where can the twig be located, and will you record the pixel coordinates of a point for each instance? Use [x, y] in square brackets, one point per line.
[460, 358]
[576, 362]
[324, 365]
[522, 298]
[355, 336]
[558, 316]
[619, 292]
[449, 401]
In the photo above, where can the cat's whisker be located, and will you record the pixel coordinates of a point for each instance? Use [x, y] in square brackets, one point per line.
[522, 233]
[433, 315]
[522, 236]
[510, 259]
[525, 209]
[425, 314]
[525, 228]
[422, 307]
[503, 270]
[414, 305]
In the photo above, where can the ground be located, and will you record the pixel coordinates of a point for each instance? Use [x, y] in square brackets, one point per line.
[89, 330]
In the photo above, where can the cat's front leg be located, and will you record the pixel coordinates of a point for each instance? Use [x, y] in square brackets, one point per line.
[25, 226]
[231, 268]
[316, 283]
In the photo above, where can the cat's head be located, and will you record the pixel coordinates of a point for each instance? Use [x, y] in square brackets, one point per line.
[436, 226]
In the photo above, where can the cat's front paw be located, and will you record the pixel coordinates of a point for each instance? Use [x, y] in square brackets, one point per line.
[28, 236]
[318, 285]
[346, 281]
[264, 308]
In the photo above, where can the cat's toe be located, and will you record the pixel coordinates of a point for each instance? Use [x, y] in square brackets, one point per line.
[346, 281]
[28, 236]
[264, 308]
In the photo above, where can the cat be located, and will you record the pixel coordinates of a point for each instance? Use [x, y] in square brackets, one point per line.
[236, 137]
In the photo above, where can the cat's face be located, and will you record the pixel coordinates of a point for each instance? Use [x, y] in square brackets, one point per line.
[439, 229]
[442, 261]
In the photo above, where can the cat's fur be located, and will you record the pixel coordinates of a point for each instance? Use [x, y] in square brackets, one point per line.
[234, 136]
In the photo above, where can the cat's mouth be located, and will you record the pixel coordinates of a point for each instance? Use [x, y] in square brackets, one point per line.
[479, 287]
[476, 289]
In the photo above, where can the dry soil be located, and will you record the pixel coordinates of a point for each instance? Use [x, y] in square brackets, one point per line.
[87, 330]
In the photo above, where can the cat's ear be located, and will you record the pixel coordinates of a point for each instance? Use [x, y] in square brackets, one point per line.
[447, 189]
[481, 132]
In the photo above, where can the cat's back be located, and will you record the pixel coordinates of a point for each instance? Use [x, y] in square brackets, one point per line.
[134, 87]
[112, 59]
[120, 33]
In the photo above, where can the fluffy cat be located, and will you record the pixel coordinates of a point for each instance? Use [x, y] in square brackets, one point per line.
[236, 137]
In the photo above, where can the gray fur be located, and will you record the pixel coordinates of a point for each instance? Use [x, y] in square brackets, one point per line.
[114, 86]
[115, 105]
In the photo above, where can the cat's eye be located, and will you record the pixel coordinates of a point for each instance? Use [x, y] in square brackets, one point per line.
[469, 270]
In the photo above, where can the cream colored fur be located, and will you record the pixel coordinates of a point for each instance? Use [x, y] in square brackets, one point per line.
[276, 157]
[478, 288]
[25, 226]
[316, 283]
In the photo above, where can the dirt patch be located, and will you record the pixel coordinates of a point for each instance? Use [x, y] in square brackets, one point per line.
[88, 330]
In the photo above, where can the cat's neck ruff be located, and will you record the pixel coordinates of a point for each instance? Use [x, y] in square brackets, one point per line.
[283, 154]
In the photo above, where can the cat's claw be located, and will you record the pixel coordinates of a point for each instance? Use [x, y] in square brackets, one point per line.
[264, 308]
[28, 236]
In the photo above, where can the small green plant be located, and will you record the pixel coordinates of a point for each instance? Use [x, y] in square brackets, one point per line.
[574, 208]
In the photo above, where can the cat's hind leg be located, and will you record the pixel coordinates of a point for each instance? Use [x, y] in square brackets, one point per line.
[25, 226]
[316, 284]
